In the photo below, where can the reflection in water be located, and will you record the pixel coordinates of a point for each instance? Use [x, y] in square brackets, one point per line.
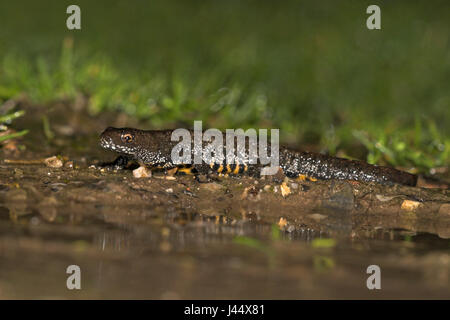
[146, 251]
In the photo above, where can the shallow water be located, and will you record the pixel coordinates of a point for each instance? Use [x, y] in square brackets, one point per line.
[157, 244]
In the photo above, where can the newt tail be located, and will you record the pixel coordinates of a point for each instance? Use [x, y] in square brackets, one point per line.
[153, 148]
[325, 167]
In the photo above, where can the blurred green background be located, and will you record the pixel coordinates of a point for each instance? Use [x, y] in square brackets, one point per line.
[310, 68]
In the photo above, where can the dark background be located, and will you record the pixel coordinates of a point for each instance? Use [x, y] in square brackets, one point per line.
[310, 68]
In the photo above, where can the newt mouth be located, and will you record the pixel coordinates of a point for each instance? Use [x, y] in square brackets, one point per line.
[107, 143]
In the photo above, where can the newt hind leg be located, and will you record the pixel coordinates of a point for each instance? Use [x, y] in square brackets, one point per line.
[299, 176]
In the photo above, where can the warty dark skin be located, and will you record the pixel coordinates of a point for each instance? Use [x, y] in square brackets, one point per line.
[153, 148]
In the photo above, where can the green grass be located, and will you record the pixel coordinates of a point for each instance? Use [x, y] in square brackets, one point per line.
[7, 119]
[311, 69]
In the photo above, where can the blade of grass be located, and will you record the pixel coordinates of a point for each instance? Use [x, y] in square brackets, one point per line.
[13, 135]
[47, 129]
[9, 117]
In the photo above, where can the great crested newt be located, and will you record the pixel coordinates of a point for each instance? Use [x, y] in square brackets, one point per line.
[153, 148]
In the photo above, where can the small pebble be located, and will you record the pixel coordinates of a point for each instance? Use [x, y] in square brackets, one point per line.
[282, 223]
[384, 198]
[290, 229]
[410, 205]
[68, 164]
[53, 162]
[285, 190]
[142, 172]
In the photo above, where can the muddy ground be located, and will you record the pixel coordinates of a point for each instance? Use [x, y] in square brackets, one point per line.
[207, 238]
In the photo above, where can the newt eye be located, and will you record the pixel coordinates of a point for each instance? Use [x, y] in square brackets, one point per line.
[127, 137]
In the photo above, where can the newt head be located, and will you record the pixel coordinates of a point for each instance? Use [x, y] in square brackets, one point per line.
[122, 140]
